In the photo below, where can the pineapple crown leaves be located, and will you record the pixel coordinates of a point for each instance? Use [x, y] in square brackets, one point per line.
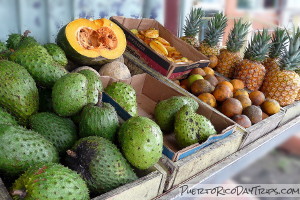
[291, 57]
[193, 22]
[259, 46]
[279, 43]
[215, 29]
[237, 36]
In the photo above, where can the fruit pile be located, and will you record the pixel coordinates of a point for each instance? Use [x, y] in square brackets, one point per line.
[58, 139]
[267, 68]
[160, 45]
[230, 97]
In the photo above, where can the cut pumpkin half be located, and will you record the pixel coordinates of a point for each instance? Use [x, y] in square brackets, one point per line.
[92, 42]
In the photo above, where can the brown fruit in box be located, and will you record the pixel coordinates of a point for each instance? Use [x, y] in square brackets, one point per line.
[254, 113]
[213, 61]
[184, 87]
[222, 92]
[185, 82]
[198, 71]
[242, 120]
[226, 83]
[257, 97]
[264, 115]
[237, 84]
[208, 99]
[232, 107]
[245, 101]
[270, 106]
[212, 79]
[201, 86]
[240, 92]
[209, 70]
[220, 79]
[177, 82]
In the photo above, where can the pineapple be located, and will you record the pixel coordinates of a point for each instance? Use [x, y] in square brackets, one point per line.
[278, 46]
[283, 85]
[192, 27]
[250, 70]
[214, 32]
[229, 57]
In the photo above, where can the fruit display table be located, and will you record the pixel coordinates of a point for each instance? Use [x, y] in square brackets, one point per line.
[235, 163]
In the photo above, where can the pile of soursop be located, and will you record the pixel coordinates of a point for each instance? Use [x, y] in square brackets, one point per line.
[178, 115]
[58, 139]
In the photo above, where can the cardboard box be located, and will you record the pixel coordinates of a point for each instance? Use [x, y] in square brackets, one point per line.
[148, 186]
[150, 91]
[156, 61]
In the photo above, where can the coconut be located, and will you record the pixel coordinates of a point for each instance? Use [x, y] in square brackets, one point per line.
[115, 69]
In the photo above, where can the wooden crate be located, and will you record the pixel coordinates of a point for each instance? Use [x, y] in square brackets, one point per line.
[290, 112]
[181, 170]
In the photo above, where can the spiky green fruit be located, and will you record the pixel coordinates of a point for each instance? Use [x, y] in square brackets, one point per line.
[18, 91]
[99, 121]
[100, 164]
[69, 94]
[49, 182]
[21, 148]
[125, 95]
[27, 41]
[57, 54]
[39, 64]
[165, 111]
[13, 40]
[94, 86]
[6, 118]
[141, 141]
[2, 47]
[58, 130]
[191, 128]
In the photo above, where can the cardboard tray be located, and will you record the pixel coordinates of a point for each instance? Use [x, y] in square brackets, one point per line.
[148, 95]
[156, 61]
[254, 132]
[148, 186]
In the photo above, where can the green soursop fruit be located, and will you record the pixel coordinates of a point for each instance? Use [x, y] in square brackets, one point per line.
[2, 46]
[99, 121]
[94, 85]
[27, 41]
[18, 91]
[58, 130]
[165, 111]
[21, 148]
[69, 94]
[13, 40]
[6, 118]
[100, 163]
[50, 182]
[57, 54]
[39, 64]
[45, 100]
[191, 127]
[124, 95]
[141, 142]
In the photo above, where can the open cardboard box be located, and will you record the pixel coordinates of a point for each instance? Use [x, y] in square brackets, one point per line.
[149, 92]
[156, 61]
